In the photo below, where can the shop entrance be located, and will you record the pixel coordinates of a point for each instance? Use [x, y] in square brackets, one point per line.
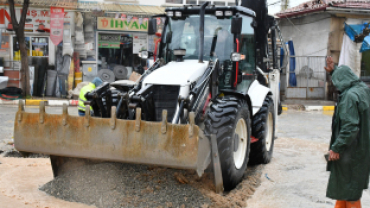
[118, 53]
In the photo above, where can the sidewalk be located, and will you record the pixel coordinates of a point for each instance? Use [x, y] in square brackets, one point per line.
[308, 105]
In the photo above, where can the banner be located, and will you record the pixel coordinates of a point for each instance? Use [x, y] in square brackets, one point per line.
[56, 24]
[106, 23]
[34, 17]
[109, 41]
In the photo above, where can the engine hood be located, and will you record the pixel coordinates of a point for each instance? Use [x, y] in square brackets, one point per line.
[177, 73]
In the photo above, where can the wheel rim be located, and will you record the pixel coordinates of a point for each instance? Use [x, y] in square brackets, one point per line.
[270, 128]
[239, 154]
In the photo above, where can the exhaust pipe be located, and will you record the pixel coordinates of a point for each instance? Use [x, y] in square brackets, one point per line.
[201, 31]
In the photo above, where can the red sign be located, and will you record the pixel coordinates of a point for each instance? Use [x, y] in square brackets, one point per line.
[56, 24]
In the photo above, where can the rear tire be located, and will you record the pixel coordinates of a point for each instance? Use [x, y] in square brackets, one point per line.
[264, 130]
[229, 119]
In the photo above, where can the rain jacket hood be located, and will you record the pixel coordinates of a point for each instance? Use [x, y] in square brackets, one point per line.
[343, 78]
[350, 137]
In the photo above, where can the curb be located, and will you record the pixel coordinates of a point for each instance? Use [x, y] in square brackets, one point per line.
[52, 103]
[34, 102]
[319, 108]
[313, 108]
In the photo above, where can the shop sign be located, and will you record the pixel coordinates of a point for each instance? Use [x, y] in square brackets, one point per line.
[133, 24]
[56, 24]
[109, 41]
[34, 18]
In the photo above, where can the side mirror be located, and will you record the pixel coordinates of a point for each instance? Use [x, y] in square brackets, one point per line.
[152, 26]
[145, 54]
[236, 25]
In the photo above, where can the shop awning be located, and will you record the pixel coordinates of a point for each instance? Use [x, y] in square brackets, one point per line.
[86, 6]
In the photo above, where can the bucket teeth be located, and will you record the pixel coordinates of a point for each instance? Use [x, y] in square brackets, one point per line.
[65, 114]
[20, 110]
[65, 109]
[87, 115]
[42, 112]
[192, 123]
[21, 105]
[113, 118]
[138, 119]
[164, 122]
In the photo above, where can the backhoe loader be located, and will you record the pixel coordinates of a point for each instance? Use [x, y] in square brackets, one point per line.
[210, 98]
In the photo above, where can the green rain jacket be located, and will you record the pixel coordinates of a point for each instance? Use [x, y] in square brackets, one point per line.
[349, 175]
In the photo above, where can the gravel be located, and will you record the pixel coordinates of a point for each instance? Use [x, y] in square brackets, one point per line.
[126, 185]
[13, 153]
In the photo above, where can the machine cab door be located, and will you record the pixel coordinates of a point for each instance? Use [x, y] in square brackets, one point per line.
[247, 48]
[238, 74]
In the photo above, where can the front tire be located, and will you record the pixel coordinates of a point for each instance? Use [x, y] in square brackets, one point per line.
[264, 131]
[229, 119]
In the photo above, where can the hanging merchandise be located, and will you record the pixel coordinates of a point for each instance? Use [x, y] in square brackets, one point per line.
[158, 20]
[79, 29]
[129, 18]
[116, 16]
[123, 17]
[56, 24]
[67, 41]
[51, 82]
[120, 72]
[106, 75]
[140, 21]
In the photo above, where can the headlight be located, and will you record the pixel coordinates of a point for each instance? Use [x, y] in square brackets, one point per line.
[179, 52]
[228, 13]
[219, 13]
[178, 14]
[170, 13]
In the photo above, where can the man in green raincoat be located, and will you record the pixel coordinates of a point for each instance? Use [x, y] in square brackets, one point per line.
[349, 151]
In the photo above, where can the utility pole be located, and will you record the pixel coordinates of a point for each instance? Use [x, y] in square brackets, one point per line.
[284, 5]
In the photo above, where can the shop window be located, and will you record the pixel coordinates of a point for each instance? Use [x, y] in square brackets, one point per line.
[35, 46]
[231, 4]
[40, 46]
[121, 51]
[174, 1]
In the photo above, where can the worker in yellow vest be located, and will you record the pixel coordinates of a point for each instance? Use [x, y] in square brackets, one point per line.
[88, 88]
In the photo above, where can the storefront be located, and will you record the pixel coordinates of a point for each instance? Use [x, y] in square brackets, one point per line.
[102, 42]
[40, 48]
[119, 41]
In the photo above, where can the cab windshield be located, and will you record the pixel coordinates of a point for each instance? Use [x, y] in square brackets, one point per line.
[218, 40]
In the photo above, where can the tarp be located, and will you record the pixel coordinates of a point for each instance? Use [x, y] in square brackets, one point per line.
[292, 77]
[350, 55]
[353, 30]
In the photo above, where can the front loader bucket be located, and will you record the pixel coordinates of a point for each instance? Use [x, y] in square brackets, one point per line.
[112, 139]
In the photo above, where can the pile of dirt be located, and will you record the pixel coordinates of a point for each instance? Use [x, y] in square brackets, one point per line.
[127, 185]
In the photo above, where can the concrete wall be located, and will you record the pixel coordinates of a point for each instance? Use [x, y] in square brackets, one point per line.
[309, 33]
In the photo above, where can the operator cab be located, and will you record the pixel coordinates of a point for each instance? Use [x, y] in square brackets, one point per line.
[227, 31]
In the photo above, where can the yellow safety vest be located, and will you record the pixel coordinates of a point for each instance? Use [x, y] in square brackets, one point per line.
[88, 88]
